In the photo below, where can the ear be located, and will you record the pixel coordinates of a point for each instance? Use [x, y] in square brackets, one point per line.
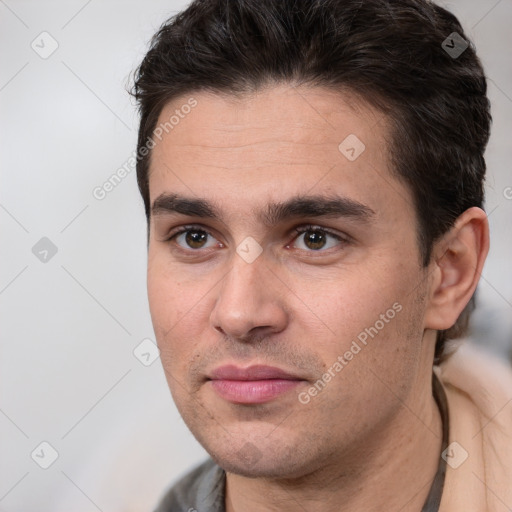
[457, 262]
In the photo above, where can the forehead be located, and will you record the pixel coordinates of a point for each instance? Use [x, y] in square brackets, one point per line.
[268, 145]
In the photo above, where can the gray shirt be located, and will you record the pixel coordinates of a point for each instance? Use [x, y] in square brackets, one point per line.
[200, 490]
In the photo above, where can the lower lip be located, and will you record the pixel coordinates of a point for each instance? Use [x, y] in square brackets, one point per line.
[252, 391]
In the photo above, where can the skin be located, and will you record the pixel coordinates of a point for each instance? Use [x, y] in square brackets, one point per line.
[370, 440]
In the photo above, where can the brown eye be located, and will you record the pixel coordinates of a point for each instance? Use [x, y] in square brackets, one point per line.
[195, 238]
[190, 237]
[316, 238]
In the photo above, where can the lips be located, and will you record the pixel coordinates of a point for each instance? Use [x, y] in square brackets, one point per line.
[252, 385]
[258, 372]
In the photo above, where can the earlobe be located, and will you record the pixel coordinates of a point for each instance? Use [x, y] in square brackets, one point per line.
[458, 259]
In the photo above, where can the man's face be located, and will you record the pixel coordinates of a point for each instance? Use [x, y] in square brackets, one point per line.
[245, 289]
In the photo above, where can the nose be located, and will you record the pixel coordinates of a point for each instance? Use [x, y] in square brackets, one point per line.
[250, 301]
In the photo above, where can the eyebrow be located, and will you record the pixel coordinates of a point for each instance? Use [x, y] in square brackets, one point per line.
[332, 206]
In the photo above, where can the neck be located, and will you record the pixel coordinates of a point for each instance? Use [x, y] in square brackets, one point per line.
[393, 470]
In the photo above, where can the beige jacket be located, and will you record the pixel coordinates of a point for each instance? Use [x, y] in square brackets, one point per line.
[479, 469]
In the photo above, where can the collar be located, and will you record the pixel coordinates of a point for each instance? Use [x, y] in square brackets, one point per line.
[436, 490]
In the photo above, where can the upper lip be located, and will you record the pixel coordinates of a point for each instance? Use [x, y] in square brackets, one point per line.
[256, 372]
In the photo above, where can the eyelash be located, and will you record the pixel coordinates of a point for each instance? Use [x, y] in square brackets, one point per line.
[299, 230]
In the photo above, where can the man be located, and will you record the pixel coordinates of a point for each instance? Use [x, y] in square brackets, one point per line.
[312, 174]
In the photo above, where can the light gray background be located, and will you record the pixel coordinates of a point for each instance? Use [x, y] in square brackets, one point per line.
[69, 325]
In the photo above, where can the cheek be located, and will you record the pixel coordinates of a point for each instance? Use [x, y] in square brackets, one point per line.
[373, 307]
[169, 294]
[168, 304]
[180, 310]
[349, 300]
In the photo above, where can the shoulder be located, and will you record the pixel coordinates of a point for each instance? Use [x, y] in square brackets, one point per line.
[200, 489]
[479, 392]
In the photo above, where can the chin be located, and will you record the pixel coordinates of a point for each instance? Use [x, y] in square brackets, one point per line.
[262, 460]
[267, 467]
